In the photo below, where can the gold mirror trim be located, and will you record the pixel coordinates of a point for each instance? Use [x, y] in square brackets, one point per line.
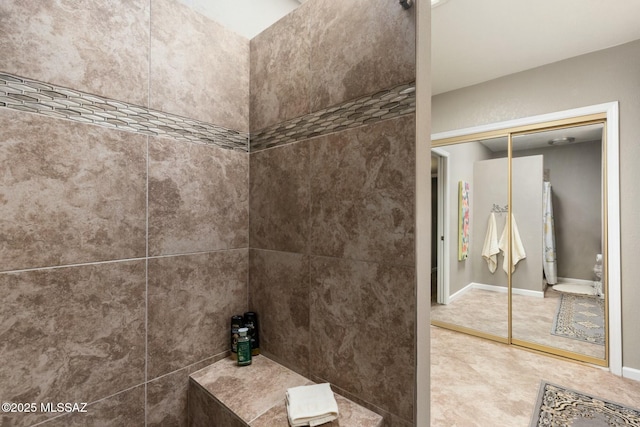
[605, 246]
[470, 331]
[528, 129]
[540, 348]
[538, 127]
[510, 238]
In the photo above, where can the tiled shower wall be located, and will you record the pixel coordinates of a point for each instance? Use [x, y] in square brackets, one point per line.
[122, 254]
[332, 265]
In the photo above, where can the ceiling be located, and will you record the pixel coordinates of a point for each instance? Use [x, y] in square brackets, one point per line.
[537, 140]
[475, 41]
[245, 17]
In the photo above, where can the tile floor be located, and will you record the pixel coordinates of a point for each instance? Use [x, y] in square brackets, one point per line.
[533, 318]
[478, 382]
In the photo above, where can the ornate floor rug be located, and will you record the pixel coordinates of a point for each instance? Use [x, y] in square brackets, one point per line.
[580, 317]
[557, 406]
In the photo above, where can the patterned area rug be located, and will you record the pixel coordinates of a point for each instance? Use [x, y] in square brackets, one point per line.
[580, 317]
[558, 406]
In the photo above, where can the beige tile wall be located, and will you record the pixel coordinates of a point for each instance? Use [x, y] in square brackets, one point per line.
[101, 47]
[122, 256]
[332, 259]
[332, 273]
[190, 53]
[125, 255]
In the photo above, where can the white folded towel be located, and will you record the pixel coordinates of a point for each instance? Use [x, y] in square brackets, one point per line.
[490, 250]
[311, 405]
[517, 250]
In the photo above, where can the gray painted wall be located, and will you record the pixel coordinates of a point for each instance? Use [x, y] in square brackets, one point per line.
[490, 178]
[575, 176]
[461, 160]
[603, 76]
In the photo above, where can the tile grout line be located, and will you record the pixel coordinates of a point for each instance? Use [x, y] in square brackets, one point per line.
[146, 262]
[146, 295]
[114, 261]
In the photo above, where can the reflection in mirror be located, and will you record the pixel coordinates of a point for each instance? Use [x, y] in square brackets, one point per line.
[470, 290]
[557, 298]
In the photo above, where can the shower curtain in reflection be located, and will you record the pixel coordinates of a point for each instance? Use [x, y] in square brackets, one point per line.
[548, 237]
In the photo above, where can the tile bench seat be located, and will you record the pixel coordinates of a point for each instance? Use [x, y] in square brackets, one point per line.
[226, 395]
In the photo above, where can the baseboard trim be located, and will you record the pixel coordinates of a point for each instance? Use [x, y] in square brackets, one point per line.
[562, 280]
[503, 289]
[461, 292]
[631, 373]
[494, 288]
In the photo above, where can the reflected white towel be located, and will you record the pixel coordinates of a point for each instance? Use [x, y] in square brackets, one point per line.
[517, 250]
[490, 250]
[311, 405]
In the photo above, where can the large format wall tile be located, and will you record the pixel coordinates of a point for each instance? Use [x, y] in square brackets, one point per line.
[167, 395]
[362, 330]
[279, 292]
[362, 193]
[191, 301]
[69, 193]
[198, 198]
[199, 69]
[124, 409]
[280, 198]
[71, 334]
[359, 47]
[167, 399]
[280, 75]
[63, 42]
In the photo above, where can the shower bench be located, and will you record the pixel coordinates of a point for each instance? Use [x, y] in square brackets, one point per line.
[224, 394]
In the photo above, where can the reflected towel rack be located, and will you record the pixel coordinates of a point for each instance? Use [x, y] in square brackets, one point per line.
[500, 209]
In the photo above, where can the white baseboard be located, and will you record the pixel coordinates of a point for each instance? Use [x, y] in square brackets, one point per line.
[631, 373]
[503, 289]
[494, 288]
[461, 292]
[562, 280]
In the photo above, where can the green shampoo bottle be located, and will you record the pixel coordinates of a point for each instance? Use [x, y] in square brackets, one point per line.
[244, 348]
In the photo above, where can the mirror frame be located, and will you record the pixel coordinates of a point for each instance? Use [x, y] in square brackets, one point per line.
[607, 112]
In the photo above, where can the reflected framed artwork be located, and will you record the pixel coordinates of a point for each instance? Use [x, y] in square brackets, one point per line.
[463, 220]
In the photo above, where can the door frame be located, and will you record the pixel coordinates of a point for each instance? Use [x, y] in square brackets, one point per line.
[443, 224]
[614, 291]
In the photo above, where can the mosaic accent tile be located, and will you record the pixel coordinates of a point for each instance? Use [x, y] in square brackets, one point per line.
[22, 94]
[383, 105]
[19, 93]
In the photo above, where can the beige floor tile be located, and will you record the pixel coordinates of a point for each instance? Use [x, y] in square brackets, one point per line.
[478, 382]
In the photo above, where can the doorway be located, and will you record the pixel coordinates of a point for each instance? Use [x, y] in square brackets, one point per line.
[440, 221]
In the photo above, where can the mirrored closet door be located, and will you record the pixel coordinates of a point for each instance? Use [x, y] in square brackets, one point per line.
[474, 176]
[520, 237]
[558, 300]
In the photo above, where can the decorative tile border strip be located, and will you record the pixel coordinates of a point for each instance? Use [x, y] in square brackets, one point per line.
[23, 94]
[383, 105]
